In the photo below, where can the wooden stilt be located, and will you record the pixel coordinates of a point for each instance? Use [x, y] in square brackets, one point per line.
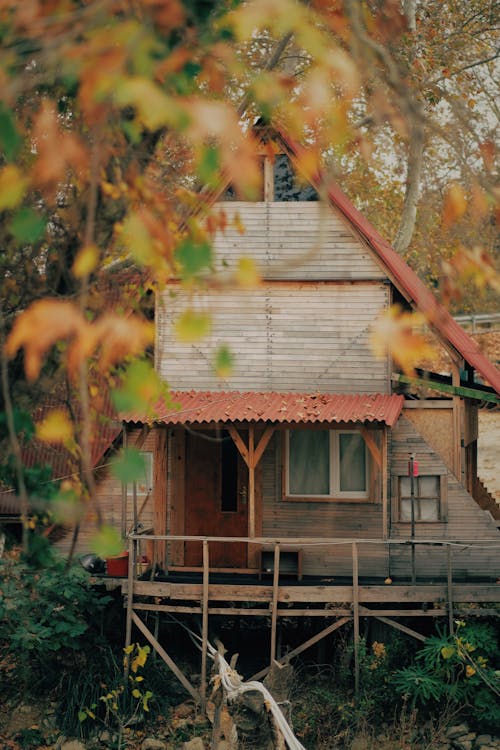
[166, 658]
[355, 609]
[451, 621]
[130, 602]
[310, 642]
[274, 603]
[204, 609]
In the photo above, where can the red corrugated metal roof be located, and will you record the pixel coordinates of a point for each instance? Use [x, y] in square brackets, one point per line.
[205, 407]
[407, 281]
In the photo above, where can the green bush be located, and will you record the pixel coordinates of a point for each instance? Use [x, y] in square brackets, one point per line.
[458, 671]
[48, 617]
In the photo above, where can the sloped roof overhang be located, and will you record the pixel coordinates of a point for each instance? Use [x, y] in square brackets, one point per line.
[404, 278]
[227, 407]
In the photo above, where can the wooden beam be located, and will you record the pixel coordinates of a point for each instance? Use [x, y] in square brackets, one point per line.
[399, 626]
[166, 658]
[238, 441]
[130, 600]
[274, 603]
[263, 443]
[251, 481]
[124, 488]
[454, 390]
[204, 627]
[307, 644]
[385, 482]
[160, 493]
[449, 566]
[372, 446]
[355, 609]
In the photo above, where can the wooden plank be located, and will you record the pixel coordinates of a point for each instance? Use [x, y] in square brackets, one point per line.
[304, 646]
[176, 491]
[454, 390]
[449, 560]
[402, 628]
[274, 603]
[204, 628]
[325, 613]
[355, 607]
[160, 492]
[385, 483]
[372, 446]
[166, 658]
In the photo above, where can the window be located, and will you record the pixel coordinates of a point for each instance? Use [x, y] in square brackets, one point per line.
[325, 464]
[145, 482]
[428, 499]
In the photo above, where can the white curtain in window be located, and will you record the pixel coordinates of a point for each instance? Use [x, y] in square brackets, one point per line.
[309, 462]
[352, 462]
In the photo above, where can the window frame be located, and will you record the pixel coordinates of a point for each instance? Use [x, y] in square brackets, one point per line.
[335, 494]
[442, 500]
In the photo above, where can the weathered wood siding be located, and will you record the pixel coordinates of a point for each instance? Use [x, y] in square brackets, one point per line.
[109, 498]
[465, 519]
[295, 240]
[285, 337]
[324, 519]
[436, 423]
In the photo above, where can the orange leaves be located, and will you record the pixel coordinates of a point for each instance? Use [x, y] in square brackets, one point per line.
[38, 328]
[455, 205]
[50, 321]
[57, 150]
[394, 334]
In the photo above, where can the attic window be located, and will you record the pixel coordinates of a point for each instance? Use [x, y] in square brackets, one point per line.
[428, 499]
[279, 183]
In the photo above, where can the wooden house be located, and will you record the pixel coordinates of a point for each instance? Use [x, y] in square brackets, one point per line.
[288, 485]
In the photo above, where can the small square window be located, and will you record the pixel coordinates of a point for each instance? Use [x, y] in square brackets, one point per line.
[427, 500]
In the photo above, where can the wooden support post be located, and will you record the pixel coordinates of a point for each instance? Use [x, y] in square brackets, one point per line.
[355, 608]
[124, 488]
[204, 633]
[251, 481]
[449, 554]
[160, 492]
[274, 603]
[315, 638]
[385, 504]
[166, 658]
[130, 604]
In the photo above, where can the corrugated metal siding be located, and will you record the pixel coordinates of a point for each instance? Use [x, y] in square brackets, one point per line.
[309, 337]
[466, 520]
[297, 240]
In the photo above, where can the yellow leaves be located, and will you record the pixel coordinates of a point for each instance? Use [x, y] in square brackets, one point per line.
[154, 107]
[55, 428]
[49, 321]
[86, 261]
[192, 326]
[469, 671]
[471, 266]
[247, 274]
[454, 206]
[394, 334]
[13, 185]
[447, 652]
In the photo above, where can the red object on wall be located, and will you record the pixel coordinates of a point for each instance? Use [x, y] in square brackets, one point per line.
[415, 468]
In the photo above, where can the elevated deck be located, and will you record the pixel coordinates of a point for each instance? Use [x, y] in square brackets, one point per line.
[273, 593]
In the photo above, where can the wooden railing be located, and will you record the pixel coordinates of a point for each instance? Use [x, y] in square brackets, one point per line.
[358, 604]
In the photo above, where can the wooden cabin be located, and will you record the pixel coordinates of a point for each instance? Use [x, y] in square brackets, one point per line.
[317, 479]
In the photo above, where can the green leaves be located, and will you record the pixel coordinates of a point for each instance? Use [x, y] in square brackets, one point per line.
[140, 390]
[129, 466]
[27, 225]
[106, 542]
[10, 140]
[193, 257]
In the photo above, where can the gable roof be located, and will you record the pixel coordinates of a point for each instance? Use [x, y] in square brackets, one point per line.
[403, 277]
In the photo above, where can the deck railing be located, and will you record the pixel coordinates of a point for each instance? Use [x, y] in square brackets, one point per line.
[276, 545]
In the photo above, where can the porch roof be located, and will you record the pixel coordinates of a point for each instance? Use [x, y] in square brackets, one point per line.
[203, 407]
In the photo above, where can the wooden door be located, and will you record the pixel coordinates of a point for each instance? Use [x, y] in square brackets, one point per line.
[216, 499]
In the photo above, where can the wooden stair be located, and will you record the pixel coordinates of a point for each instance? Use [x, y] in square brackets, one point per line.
[485, 500]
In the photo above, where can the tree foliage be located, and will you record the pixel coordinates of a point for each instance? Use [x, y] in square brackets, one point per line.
[113, 114]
